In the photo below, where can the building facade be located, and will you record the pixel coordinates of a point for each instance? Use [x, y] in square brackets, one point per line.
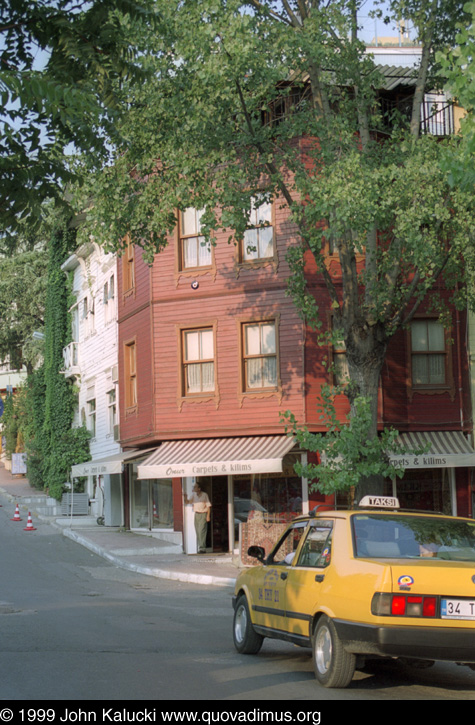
[91, 361]
[212, 351]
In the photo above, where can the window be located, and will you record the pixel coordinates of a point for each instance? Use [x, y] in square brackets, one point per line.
[198, 361]
[258, 242]
[91, 417]
[341, 373]
[112, 409]
[87, 315]
[259, 355]
[128, 268]
[130, 362]
[284, 550]
[195, 251]
[316, 550]
[108, 300]
[428, 353]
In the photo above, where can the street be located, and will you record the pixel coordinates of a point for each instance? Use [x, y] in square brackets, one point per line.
[75, 628]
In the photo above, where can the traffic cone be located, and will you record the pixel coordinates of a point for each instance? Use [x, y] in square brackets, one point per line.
[29, 526]
[16, 516]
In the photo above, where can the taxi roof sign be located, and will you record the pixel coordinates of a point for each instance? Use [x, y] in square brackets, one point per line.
[386, 502]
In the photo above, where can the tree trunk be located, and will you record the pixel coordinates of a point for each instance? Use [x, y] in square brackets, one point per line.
[366, 351]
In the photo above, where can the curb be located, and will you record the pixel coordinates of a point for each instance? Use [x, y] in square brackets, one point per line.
[187, 577]
[148, 571]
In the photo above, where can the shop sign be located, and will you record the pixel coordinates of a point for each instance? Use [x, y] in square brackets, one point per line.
[429, 460]
[217, 468]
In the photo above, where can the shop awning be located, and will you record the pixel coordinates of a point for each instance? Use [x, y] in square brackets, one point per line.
[217, 457]
[104, 466]
[445, 449]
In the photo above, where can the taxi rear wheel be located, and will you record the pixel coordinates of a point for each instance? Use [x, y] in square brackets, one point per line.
[246, 639]
[334, 666]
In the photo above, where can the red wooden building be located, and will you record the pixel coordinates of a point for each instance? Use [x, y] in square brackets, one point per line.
[211, 351]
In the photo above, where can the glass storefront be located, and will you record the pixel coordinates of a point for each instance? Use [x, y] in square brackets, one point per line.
[267, 497]
[427, 489]
[151, 504]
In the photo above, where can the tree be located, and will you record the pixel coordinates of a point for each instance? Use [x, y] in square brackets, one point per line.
[197, 135]
[51, 443]
[22, 301]
[59, 63]
[459, 65]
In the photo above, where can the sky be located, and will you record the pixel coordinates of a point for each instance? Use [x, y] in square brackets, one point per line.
[371, 27]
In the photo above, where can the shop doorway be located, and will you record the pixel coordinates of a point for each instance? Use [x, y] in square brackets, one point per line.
[216, 487]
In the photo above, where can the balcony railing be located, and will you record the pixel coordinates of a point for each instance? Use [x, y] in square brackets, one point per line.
[71, 359]
[437, 113]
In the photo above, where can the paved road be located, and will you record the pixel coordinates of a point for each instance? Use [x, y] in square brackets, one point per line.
[75, 628]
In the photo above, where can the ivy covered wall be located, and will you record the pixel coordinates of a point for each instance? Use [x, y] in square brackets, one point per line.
[52, 445]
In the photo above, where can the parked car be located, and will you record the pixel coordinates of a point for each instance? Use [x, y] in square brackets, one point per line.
[371, 582]
[243, 507]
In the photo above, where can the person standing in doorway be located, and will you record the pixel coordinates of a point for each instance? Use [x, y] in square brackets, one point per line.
[202, 510]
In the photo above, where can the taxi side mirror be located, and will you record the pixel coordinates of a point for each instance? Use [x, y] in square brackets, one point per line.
[257, 552]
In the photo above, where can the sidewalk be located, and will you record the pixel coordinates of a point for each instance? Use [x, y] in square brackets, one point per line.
[141, 553]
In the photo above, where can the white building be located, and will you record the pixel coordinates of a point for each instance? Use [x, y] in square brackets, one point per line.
[91, 360]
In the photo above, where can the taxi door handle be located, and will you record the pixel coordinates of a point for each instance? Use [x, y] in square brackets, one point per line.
[319, 577]
[284, 575]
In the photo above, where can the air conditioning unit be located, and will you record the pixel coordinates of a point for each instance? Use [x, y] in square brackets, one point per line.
[116, 432]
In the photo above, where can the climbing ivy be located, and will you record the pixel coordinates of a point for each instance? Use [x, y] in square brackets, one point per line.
[49, 399]
[62, 445]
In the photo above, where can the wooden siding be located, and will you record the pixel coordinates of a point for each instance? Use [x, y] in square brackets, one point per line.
[97, 344]
[165, 301]
[226, 295]
[136, 425]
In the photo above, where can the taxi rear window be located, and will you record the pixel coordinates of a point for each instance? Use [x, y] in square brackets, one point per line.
[413, 537]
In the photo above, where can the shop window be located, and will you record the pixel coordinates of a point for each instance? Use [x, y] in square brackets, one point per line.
[260, 359]
[195, 250]
[151, 504]
[130, 361]
[428, 489]
[428, 354]
[258, 241]
[198, 361]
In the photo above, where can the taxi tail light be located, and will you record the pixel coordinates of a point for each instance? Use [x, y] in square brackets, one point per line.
[403, 605]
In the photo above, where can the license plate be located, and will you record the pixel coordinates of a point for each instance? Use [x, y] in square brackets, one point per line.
[457, 609]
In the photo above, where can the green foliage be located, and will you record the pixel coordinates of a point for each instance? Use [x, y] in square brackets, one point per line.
[196, 135]
[33, 427]
[62, 446]
[459, 66]
[22, 301]
[348, 452]
[48, 403]
[61, 64]
[10, 425]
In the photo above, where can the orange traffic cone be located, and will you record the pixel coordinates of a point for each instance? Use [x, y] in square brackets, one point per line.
[16, 516]
[29, 526]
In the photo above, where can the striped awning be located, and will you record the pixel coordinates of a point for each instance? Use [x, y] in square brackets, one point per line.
[216, 457]
[442, 449]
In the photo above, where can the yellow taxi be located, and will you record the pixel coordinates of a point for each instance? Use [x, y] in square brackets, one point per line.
[370, 582]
